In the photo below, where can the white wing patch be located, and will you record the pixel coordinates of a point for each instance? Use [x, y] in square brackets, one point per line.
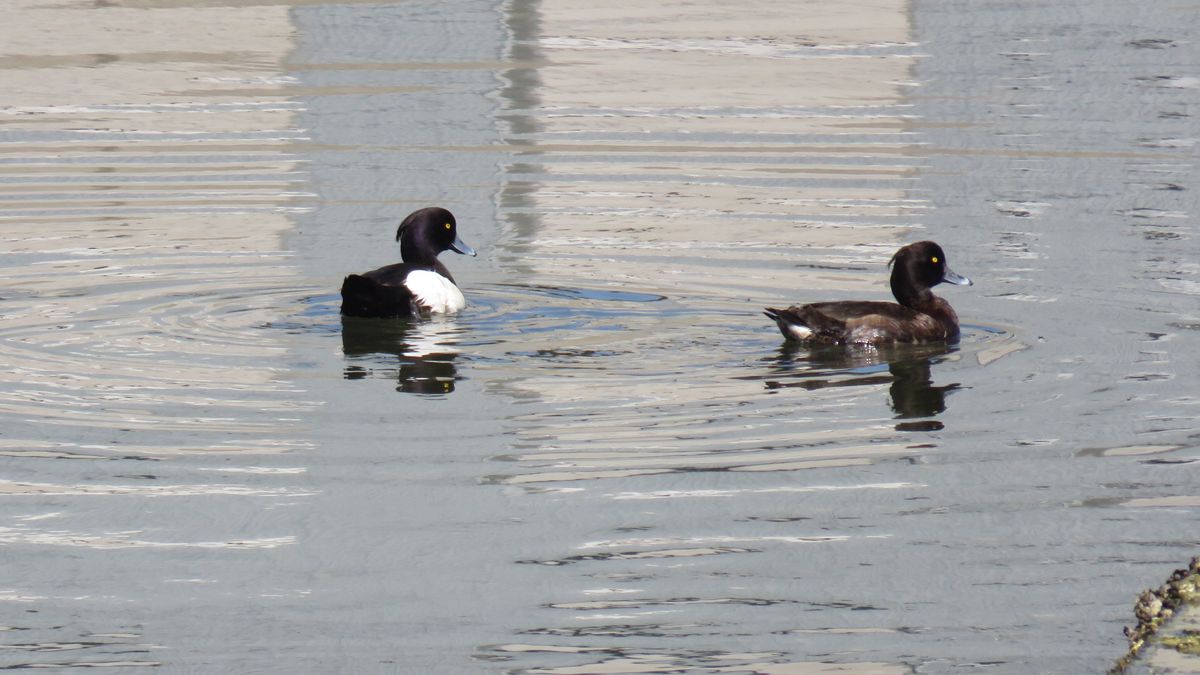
[435, 292]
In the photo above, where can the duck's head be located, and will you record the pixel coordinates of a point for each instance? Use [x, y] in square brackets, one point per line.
[918, 267]
[427, 232]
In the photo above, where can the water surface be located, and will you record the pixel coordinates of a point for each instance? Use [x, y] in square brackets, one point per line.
[610, 462]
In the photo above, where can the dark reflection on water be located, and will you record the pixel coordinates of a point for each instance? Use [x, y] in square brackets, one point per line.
[412, 351]
[907, 369]
[914, 395]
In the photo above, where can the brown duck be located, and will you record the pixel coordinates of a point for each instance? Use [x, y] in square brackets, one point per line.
[920, 315]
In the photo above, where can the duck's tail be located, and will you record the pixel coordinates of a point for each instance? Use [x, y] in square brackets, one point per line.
[790, 323]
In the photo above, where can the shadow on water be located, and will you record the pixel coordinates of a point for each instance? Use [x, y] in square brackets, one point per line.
[907, 369]
[416, 353]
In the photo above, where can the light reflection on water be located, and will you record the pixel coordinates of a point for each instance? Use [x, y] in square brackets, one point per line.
[144, 187]
[657, 157]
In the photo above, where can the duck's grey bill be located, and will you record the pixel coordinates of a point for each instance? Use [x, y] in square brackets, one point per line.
[460, 246]
[952, 277]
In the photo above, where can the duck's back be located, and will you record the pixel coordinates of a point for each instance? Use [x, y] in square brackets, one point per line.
[379, 293]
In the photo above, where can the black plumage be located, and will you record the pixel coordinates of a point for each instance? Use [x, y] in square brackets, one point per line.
[390, 291]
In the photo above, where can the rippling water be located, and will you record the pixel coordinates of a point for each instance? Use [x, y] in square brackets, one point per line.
[610, 462]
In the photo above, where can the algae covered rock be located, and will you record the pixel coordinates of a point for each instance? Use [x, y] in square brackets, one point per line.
[1169, 618]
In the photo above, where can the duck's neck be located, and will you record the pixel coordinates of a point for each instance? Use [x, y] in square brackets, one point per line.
[416, 255]
[924, 301]
[907, 295]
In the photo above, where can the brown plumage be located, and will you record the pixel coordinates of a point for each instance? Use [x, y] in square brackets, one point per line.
[920, 315]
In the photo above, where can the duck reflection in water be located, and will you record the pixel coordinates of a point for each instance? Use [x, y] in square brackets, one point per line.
[414, 352]
[906, 369]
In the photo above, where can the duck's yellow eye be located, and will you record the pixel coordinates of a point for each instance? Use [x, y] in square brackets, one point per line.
[934, 259]
[448, 226]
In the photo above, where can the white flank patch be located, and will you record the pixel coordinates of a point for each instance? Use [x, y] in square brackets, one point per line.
[435, 292]
[798, 331]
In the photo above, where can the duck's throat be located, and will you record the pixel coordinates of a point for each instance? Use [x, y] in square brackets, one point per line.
[916, 298]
